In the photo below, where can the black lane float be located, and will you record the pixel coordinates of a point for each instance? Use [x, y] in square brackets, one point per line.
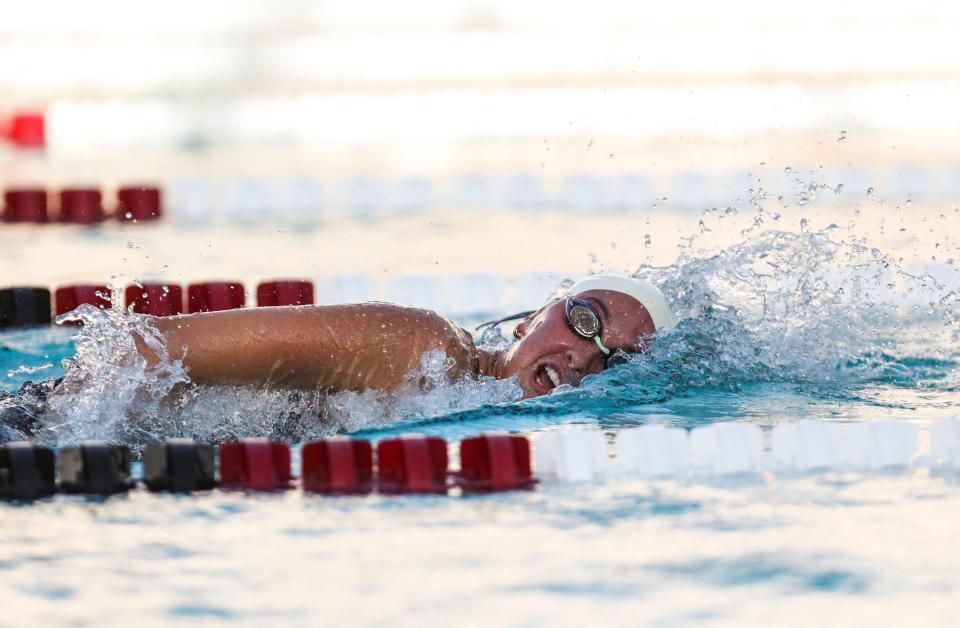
[26, 471]
[94, 468]
[24, 307]
[179, 465]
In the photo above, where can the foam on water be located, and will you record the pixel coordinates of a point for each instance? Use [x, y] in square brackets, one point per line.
[784, 307]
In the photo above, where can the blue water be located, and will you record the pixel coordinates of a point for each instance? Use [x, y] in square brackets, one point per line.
[782, 327]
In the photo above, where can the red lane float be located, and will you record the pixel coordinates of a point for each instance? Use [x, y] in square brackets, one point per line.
[139, 203]
[69, 298]
[285, 292]
[337, 465]
[257, 464]
[25, 205]
[27, 129]
[495, 462]
[156, 299]
[412, 464]
[83, 206]
[215, 296]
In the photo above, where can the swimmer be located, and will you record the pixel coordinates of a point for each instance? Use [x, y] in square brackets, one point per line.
[375, 345]
[601, 320]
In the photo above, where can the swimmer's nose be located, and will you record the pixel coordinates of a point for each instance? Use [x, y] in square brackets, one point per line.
[580, 362]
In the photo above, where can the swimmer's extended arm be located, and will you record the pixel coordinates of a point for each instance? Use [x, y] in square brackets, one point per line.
[338, 347]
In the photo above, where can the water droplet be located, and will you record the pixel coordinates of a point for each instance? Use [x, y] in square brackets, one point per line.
[843, 136]
[837, 190]
[129, 245]
[869, 191]
[647, 241]
[730, 211]
[788, 170]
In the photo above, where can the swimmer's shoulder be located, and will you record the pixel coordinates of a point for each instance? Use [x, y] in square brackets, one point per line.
[437, 332]
[459, 346]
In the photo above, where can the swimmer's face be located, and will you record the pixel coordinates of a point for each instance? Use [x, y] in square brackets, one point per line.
[549, 353]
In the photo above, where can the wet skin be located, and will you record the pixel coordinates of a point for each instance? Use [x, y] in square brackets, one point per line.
[376, 345]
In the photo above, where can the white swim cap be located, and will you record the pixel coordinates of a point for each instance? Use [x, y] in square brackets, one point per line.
[640, 289]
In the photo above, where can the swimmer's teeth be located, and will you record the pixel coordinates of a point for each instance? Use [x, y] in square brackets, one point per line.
[552, 374]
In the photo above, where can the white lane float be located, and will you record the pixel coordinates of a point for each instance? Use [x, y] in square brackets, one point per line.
[807, 445]
[570, 456]
[473, 293]
[726, 449]
[879, 445]
[346, 289]
[653, 451]
[414, 290]
[945, 444]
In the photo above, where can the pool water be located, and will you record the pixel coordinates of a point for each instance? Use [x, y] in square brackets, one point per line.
[776, 328]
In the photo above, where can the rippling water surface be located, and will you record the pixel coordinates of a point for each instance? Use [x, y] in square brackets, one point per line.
[779, 327]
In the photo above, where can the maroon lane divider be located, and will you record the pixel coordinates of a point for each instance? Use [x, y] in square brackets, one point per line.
[285, 292]
[25, 205]
[156, 299]
[82, 206]
[412, 464]
[69, 298]
[257, 464]
[495, 462]
[140, 203]
[337, 465]
[215, 296]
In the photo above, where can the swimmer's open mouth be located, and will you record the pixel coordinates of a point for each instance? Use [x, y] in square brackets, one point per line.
[546, 378]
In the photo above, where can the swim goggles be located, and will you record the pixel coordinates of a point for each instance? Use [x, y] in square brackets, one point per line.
[584, 320]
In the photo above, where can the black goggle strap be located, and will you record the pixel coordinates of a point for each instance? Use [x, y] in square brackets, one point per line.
[512, 317]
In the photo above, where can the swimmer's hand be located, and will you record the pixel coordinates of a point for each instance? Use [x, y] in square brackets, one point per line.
[332, 348]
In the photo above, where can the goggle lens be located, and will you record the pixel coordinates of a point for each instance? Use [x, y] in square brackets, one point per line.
[583, 320]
